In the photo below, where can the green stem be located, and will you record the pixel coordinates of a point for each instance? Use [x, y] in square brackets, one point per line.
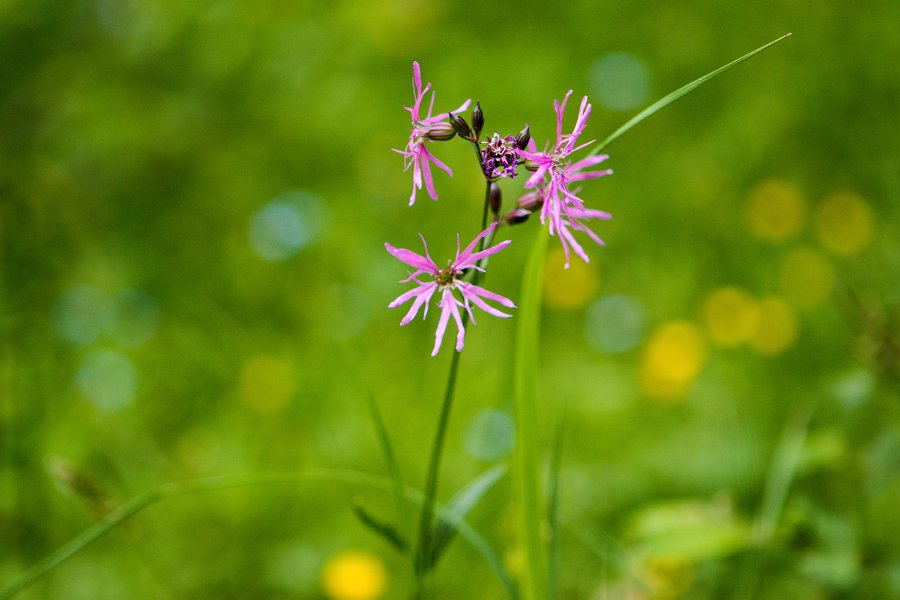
[484, 212]
[422, 556]
[426, 529]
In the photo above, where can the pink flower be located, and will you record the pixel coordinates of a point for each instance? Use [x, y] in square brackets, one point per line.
[416, 154]
[560, 205]
[446, 280]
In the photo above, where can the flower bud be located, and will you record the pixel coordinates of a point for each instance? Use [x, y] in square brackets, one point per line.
[531, 165]
[477, 119]
[532, 201]
[460, 126]
[523, 138]
[439, 132]
[495, 199]
[517, 216]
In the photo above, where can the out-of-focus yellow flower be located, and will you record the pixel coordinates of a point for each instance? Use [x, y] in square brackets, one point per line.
[668, 577]
[843, 223]
[806, 277]
[777, 327]
[568, 289]
[731, 316]
[267, 383]
[775, 211]
[672, 359]
[354, 575]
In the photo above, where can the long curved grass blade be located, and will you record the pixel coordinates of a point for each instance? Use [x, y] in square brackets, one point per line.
[459, 506]
[208, 484]
[525, 464]
[670, 98]
[386, 448]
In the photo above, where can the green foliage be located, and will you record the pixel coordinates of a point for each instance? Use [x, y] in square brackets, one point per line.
[193, 205]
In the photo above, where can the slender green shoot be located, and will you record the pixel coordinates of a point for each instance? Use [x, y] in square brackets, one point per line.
[525, 458]
[682, 91]
[553, 506]
[426, 531]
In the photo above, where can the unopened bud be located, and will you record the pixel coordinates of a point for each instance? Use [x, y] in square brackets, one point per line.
[440, 132]
[477, 119]
[531, 201]
[517, 216]
[523, 138]
[460, 126]
[496, 199]
[531, 165]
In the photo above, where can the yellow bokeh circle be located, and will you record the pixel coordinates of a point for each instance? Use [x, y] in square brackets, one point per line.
[568, 289]
[731, 316]
[354, 575]
[843, 223]
[672, 359]
[806, 277]
[777, 327]
[267, 383]
[775, 211]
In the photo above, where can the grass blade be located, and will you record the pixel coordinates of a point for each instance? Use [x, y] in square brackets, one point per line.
[525, 458]
[460, 505]
[385, 530]
[553, 507]
[209, 484]
[388, 451]
[670, 98]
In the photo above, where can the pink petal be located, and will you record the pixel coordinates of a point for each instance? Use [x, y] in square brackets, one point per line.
[464, 257]
[442, 323]
[412, 259]
[475, 258]
[461, 330]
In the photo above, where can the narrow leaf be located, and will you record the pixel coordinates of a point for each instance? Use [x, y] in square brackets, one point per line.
[684, 90]
[210, 484]
[388, 452]
[525, 458]
[387, 531]
[553, 506]
[459, 506]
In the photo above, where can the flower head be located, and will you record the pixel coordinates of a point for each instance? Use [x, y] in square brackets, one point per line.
[499, 157]
[425, 128]
[554, 171]
[446, 280]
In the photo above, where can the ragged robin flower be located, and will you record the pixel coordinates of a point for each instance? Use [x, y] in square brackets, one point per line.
[424, 129]
[554, 172]
[446, 280]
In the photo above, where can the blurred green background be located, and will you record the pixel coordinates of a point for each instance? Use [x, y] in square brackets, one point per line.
[194, 201]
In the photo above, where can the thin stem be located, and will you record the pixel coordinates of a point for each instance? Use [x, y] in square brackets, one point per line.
[484, 211]
[423, 551]
[422, 556]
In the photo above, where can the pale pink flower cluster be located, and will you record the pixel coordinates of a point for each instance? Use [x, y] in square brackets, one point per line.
[549, 190]
[554, 171]
[429, 127]
[446, 280]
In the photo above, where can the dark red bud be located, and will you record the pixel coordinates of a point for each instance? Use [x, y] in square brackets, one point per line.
[477, 119]
[440, 132]
[523, 138]
[496, 199]
[460, 126]
[517, 216]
